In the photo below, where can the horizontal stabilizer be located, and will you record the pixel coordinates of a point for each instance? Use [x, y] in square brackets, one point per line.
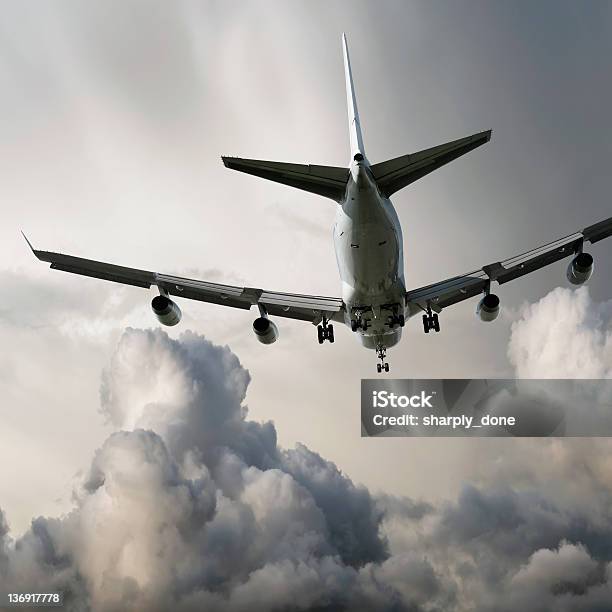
[327, 181]
[394, 174]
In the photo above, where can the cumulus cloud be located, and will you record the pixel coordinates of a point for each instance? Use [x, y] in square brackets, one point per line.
[564, 335]
[191, 505]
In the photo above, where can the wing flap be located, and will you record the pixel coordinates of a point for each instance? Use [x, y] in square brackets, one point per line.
[503, 273]
[301, 301]
[446, 293]
[327, 181]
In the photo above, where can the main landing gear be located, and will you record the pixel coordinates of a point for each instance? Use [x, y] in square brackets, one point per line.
[396, 319]
[325, 331]
[381, 351]
[430, 321]
[360, 322]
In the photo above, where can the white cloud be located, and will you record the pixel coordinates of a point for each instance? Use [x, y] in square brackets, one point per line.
[563, 335]
[192, 504]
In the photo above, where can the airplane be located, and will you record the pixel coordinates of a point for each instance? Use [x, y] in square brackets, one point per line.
[369, 250]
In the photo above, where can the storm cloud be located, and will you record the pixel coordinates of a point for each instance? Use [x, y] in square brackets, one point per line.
[114, 116]
[189, 504]
[192, 504]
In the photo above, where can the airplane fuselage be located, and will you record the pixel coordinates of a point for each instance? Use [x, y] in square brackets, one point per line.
[369, 251]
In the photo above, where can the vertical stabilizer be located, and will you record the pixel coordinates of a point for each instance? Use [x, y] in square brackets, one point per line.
[353, 115]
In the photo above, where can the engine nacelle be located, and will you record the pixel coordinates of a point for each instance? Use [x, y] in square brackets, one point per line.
[488, 307]
[580, 269]
[166, 311]
[265, 330]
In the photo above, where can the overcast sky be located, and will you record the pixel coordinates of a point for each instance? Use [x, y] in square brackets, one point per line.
[113, 118]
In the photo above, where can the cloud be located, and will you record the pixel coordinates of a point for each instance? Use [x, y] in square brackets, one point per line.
[189, 504]
[568, 569]
[564, 335]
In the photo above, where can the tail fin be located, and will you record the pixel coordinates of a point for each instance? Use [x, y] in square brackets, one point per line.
[353, 116]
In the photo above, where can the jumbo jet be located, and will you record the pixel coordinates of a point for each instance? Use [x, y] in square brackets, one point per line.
[369, 250]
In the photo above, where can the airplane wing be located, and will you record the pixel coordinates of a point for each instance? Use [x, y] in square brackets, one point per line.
[290, 305]
[328, 181]
[448, 292]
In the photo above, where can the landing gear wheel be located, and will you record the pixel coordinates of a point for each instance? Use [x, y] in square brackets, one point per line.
[325, 331]
[431, 321]
[394, 320]
[360, 323]
[381, 351]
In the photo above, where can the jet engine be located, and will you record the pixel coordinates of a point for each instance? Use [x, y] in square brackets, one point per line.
[580, 269]
[265, 330]
[166, 311]
[488, 307]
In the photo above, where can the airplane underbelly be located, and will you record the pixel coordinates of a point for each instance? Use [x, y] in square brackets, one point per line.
[387, 339]
[368, 260]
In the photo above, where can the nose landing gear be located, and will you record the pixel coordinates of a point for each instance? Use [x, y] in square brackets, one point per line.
[381, 351]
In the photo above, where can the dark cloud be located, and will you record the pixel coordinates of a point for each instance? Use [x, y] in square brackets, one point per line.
[191, 505]
[403, 507]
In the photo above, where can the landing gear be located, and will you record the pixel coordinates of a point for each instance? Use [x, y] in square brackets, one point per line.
[396, 319]
[325, 332]
[381, 351]
[430, 321]
[359, 322]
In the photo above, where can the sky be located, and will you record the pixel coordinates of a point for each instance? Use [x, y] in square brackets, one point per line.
[113, 119]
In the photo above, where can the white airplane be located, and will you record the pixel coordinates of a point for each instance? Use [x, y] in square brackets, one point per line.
[369, 251]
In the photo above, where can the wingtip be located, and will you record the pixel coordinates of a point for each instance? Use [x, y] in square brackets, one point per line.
[36, 253]
[26, 239]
